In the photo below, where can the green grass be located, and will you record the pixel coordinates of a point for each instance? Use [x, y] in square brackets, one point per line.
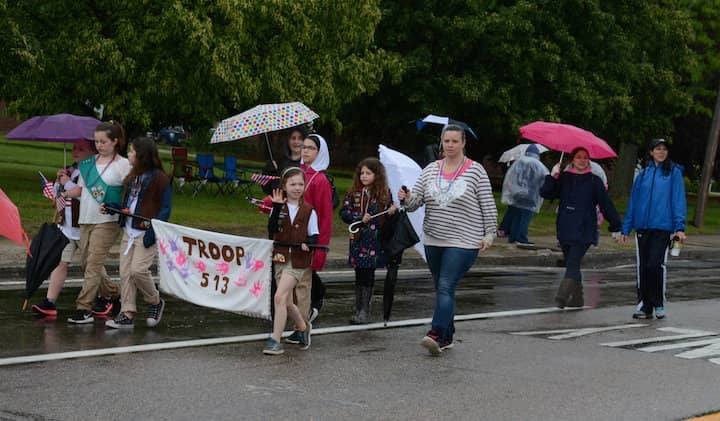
[20, 162]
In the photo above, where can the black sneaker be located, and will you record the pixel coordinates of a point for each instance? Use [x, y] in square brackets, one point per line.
[120, 322]
[154, 313]
[103, 306]
[642, 315]
[81, 317]
[115, 310]
[314, 312]
[45, 308]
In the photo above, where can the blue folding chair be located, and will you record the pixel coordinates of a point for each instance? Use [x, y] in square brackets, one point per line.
[205, 173]
[234, 177]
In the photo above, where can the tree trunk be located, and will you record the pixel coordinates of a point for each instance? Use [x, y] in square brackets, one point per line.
[708, 166]
[624, 171]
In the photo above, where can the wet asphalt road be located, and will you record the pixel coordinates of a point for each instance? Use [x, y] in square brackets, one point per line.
[483, 290]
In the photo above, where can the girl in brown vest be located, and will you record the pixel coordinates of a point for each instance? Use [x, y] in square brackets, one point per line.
[293, 225]
[148, 193]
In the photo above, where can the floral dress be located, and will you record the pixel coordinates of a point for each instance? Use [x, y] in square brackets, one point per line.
[366, 252]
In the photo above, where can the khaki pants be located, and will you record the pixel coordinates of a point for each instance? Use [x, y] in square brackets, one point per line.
[135, 273]
[302, 293]
[95, 243]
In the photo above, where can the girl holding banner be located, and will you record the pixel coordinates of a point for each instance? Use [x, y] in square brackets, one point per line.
[148, 194]
[292, 222]
[101, 180]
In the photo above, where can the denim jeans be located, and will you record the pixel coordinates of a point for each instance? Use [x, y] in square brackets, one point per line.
[519, 225]
[448, 266]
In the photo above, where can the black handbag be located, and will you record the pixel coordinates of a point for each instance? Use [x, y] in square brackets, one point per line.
[398, 234]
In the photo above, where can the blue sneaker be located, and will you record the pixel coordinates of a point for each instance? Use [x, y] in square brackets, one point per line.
[660, 312]
[273, 347]
[305, 337]
[300, 338]
[294, 339]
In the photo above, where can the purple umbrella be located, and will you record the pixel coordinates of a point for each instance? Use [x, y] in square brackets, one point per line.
[55, 128]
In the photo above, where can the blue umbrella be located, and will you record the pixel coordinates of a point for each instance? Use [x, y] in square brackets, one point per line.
[434, 124]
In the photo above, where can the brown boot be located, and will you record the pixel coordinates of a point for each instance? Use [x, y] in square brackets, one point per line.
[563, 292]
[576, 296]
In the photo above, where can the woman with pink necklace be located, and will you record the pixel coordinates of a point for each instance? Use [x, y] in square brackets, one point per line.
[460, 221]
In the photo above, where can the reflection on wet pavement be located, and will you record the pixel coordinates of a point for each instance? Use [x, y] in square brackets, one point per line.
[484, 290]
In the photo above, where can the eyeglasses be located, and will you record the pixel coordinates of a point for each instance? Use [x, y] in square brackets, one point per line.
[310, 148]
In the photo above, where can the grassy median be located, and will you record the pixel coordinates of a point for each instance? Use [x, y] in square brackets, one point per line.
[230, 213]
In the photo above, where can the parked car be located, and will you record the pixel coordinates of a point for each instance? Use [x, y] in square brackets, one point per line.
[173, 136]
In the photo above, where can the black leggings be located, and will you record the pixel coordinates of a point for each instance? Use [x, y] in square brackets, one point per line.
[574, 254]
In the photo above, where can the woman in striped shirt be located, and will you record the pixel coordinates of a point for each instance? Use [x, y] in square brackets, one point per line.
[460, 221]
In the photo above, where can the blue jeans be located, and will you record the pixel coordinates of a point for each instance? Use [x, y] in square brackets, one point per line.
[448, 266]
[519, 225]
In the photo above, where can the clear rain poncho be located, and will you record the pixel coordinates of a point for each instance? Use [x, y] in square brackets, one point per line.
[523, 180]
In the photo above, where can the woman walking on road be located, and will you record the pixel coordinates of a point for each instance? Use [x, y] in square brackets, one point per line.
[579, 191]
[460, 220]
[148, 193]
[656, 211]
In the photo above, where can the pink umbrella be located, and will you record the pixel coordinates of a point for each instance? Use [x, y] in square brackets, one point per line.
[565, 138]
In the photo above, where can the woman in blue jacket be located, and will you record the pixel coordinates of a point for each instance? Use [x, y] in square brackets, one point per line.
[579, 192]
[656, 212]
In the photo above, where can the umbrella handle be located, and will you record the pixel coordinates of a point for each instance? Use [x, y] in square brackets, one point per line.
[311, 246]
[125, 213]
[355, 226]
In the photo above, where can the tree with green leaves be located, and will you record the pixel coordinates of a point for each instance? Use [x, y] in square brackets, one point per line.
[615, 67]
[176, 62]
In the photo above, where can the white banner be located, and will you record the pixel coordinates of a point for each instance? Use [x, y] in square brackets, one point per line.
[215, 270]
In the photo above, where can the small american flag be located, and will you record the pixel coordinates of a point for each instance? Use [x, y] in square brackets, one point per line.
[48, 190]
[263, 179]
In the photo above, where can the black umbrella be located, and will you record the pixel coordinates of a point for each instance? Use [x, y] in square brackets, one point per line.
[397, 235]
[46, 249]
[434, 124]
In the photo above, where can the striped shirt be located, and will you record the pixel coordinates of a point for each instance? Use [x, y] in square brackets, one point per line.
[459, 212]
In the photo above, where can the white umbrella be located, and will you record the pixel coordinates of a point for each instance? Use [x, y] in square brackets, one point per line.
[403, 171]
[513, 154]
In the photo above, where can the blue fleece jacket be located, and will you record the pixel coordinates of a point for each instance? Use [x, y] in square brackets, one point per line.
[657, 200]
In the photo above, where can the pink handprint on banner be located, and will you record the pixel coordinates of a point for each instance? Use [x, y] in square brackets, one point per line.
[163, 247]
[257, 265]
[180, 259]
[241, 280]
[223, 268]
[200, 265]
[257, 288]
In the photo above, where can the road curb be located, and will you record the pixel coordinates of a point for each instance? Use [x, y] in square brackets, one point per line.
[546, 258]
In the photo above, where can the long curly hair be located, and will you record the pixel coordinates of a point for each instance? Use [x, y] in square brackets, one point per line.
[147, 158]
[379, 188]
